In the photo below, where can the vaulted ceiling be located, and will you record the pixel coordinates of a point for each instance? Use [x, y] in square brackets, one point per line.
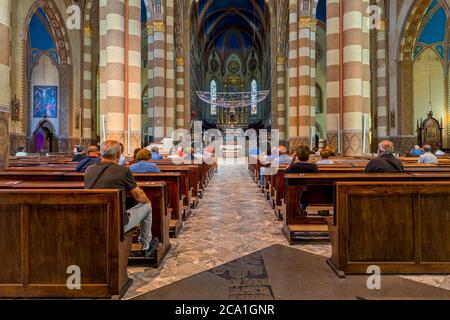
[231, 24]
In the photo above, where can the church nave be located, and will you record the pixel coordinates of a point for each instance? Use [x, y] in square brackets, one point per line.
[232, 220]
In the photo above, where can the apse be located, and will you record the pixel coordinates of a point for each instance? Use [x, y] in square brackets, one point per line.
[230, 53]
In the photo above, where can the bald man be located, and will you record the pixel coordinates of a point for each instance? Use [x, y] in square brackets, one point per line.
[283, 158]
[386, 161]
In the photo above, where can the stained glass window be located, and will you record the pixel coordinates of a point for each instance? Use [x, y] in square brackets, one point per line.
[254, 98]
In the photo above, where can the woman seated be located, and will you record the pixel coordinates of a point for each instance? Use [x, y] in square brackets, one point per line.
[325, 155]
[143, 164]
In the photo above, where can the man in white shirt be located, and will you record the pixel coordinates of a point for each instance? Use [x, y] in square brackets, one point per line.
[428, 156]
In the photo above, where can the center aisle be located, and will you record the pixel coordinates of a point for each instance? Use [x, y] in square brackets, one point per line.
[232, 220]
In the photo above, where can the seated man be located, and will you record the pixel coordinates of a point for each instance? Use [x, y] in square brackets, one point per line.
[282, 158]
[428, 156]
[155, 154]
[93, 157]
[325, 155]
[79, 154]
[386, 161]
[416, 151]
[300, 163]
[265, 162]
[107, 174]
[21, 152]
[143, 165]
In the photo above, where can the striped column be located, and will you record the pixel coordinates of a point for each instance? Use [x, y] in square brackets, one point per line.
[170, 68]
[159, 74]
[353, 76]
[87, 85]
[382, 102]
[5, 61]
[112, 70]
[312, 80]
[5, 74]
[333, 71]
[366, 125]
[180, 93]
[304, 79]
[151, 76]
[281, 96]
[293, 69]
[134, 64]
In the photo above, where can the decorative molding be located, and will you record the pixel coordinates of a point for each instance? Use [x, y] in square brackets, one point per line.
[281, 60]
[304, 22]
[15, 109]
[180, 61]
[158, 26]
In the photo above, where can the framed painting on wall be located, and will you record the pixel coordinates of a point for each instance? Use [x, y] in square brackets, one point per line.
[45, 102]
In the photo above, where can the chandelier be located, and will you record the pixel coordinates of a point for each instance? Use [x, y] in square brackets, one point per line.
[233, 100]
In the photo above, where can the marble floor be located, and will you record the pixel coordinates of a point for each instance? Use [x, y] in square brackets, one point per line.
[232, 220]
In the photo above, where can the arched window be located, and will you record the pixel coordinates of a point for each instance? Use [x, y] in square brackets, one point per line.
[254, 98]
[213, 97]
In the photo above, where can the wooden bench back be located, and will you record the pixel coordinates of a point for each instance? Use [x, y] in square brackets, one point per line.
[45, 232]
[402, 227]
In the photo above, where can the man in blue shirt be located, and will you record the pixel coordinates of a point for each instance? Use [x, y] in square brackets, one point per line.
[282, 157]
[155, 154]
[143, 165]
[416, 151]
[93, 157]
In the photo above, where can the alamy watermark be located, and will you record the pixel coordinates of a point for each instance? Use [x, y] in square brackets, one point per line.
[374, 280]
[374, 20]
[74, 280]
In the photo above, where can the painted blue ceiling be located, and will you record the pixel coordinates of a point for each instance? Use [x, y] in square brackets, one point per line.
[232, 24]
[434, 31]
[143, 11]
[432, 34]
[321, 12]
[39, 35]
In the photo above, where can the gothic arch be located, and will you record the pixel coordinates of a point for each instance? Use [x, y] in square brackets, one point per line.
[59, 35]
[59, 32]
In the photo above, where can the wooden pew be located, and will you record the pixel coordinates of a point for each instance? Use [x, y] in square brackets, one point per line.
[156, 192]
[401, 227]
[318, 191]
[174, 186]
[43, 233]
[173, 179]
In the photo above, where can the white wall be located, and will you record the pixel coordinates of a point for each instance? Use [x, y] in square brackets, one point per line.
[428, 60]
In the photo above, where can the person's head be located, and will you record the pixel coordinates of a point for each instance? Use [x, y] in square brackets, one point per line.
[325, 154]
[20, 149]
[303, 153]
[110, 150]
[282, 150]
[135, 153]
[427, 148]
[80, 149]
[143, 155]
[155, 150]
[416, 147]
[92, 151]
[331, 148]
[386, 147]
